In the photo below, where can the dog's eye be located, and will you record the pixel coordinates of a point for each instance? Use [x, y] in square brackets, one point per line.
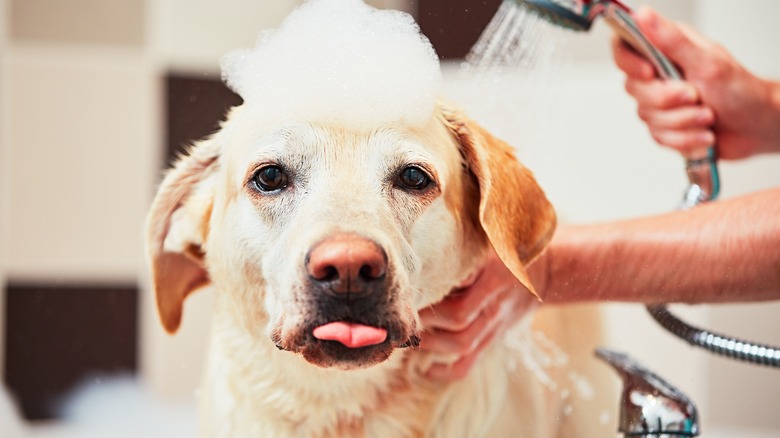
[413, 177]
[270, 178]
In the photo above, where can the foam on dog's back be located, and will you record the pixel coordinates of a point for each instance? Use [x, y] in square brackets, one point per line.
[339, 61]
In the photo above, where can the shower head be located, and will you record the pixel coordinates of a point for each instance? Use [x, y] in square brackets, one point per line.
[576, 15]
[561, 13]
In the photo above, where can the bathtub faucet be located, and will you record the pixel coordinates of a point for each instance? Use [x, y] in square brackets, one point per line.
[649, 406]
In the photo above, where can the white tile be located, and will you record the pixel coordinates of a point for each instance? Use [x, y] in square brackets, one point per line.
[191, 35]
[82, 134]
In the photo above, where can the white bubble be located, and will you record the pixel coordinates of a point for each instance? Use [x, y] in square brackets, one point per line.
[584, 387]
[338, 61]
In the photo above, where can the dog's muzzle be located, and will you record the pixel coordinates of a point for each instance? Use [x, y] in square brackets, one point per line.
[352, 318]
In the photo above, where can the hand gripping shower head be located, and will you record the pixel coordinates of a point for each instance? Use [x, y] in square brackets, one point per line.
[579, 15]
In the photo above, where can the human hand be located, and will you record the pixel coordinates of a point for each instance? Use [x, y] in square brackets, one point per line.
[468, 319]
[719, 101]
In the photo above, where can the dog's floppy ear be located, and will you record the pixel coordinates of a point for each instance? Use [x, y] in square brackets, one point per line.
[176, 229]
[513, 210]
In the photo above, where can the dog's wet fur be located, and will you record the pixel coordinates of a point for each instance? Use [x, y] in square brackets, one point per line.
[267, 374]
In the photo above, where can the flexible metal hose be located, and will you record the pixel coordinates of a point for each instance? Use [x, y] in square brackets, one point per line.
[716, 343]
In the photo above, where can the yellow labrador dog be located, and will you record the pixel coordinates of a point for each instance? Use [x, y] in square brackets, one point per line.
[322, 243]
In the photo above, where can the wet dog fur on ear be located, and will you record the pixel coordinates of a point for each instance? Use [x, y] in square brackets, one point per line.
[176, 230]
[513, 210]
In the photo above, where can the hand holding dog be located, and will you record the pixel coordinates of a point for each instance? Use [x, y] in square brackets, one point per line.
[467, 320]
[719, 101]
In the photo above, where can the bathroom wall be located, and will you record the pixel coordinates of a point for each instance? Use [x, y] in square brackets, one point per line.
[82, 121]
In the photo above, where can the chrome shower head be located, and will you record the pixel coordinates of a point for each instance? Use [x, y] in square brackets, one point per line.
[572, 14]
[563, 13]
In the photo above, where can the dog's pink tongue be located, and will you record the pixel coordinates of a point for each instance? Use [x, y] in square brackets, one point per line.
[351, 335]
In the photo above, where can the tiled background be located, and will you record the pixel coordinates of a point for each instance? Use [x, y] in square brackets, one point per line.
[105, 22]
[84, 90]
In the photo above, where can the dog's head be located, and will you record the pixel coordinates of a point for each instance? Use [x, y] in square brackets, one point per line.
[329, 240]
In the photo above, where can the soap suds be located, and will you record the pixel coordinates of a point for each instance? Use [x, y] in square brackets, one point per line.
[537, 353]
[583, 386]
[338, 61]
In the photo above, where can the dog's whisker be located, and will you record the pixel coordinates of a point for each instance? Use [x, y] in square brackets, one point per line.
[413, 341]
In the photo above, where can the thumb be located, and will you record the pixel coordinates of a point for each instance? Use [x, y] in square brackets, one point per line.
[668, 36]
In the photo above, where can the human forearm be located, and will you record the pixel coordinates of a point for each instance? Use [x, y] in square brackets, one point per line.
[725, 251]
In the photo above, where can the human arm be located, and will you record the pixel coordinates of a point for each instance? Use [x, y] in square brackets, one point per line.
[720, 102]
[727, 251]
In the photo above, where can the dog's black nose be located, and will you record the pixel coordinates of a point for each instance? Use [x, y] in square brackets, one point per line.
[347, 264]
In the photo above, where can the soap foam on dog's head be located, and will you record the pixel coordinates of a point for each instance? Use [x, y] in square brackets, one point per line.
[339, 61]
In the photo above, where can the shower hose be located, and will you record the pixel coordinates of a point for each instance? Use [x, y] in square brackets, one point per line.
[716, 343]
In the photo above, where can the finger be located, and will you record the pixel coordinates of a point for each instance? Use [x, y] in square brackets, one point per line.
[461, 368]
[682, 118]
[454, 313]
[662, 94]
[458, 311]
[670, 38]
[684, 140]
[628, 60]
[470, 280]
[464, 342]
[455, 343]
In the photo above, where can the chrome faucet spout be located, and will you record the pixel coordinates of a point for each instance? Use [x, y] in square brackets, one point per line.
[650, 407]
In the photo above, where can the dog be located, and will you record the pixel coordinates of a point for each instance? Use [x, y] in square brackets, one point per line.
[323, 242]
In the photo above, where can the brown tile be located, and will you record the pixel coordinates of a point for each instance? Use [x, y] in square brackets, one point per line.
[453, 26]
[59, 335]
[195, 107]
